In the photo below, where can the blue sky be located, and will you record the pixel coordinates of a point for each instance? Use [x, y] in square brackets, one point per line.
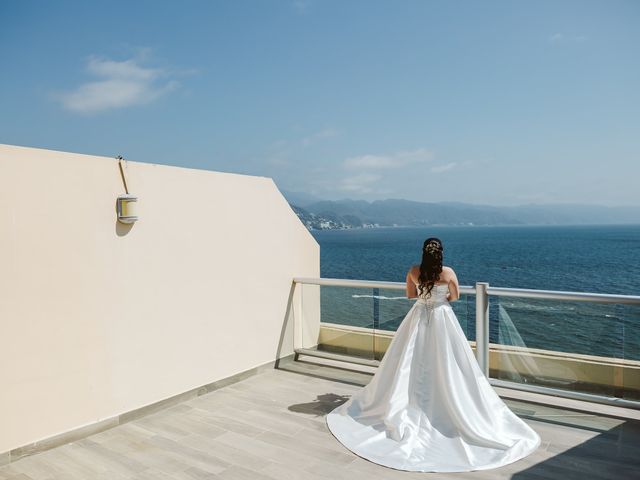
[497, 102]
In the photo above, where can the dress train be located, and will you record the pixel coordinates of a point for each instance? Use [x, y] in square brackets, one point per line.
[429, 407]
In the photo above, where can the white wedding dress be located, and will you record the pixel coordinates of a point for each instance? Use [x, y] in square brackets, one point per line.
[429, 407]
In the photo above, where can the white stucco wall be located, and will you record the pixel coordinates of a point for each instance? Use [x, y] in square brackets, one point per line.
[97, 320]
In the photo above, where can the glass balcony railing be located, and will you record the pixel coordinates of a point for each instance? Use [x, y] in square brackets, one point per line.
[583, 345]
[361, 321]
[576, 345]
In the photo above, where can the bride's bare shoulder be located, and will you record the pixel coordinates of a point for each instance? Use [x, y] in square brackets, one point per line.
[414, 272]
[448, 271]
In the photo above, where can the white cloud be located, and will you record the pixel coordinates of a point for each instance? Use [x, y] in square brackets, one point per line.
[285, 153]
[311, 139]
[561, 37]
[369, 161]
[359, 183]
[396, 160]
[301, 6]
[278, 161]
[120, 84]
[318, 136]
[443, 168]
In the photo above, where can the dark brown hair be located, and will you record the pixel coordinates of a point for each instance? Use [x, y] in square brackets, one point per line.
[431, 265]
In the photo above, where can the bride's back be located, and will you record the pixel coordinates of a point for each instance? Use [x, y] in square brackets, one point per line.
[446, 283]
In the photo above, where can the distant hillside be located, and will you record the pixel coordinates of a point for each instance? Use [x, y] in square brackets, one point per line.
[327, 214]
[327, 220]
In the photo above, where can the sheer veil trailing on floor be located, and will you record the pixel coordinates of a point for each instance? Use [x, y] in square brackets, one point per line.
[429, 407]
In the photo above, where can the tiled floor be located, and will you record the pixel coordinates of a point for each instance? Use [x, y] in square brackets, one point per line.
[271, 426]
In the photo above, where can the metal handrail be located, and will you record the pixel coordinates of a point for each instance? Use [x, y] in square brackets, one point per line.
[561, 295]
[470, 290]
[343, 282]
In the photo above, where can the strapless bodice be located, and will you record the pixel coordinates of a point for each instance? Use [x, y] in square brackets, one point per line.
[437, 296]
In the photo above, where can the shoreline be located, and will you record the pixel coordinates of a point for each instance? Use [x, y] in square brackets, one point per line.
[497, 225]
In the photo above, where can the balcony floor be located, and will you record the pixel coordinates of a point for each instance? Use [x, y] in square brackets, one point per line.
[271, 426]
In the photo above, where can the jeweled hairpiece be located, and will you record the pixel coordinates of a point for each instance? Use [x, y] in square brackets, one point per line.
[432, 247]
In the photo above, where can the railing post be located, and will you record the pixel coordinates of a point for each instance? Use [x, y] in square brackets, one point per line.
[376, 308]
[298, 340]
[482, 327]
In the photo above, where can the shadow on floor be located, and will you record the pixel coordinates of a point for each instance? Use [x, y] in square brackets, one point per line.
[324, 404]
[613, 454]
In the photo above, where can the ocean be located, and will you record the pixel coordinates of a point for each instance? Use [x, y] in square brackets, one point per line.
[580, 258]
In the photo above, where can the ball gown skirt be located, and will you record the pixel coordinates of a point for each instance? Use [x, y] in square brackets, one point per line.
[429, 407]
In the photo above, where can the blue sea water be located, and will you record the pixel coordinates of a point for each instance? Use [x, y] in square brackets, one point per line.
[593, 258]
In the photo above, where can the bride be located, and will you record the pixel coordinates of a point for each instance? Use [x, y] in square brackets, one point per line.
[429, 407]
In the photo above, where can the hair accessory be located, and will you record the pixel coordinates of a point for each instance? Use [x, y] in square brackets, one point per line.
[432, 247]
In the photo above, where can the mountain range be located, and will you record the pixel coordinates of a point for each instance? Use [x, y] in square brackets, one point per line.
[316, 213]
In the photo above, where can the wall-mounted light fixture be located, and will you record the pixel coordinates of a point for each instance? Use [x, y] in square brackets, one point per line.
[127, 208]
[126, 204]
